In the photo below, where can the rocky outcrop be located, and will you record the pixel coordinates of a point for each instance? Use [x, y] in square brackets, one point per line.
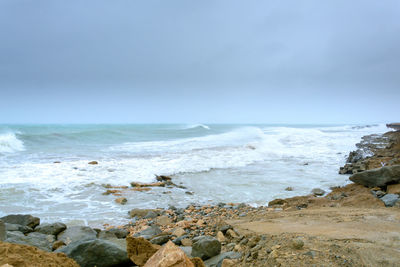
[169, 256]
[377, 177]
[98, 252]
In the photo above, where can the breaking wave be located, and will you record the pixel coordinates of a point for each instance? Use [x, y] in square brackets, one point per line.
[9, 143]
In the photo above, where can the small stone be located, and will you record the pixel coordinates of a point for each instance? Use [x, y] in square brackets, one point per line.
[318, 192]
[297, 243]
[57, 244]
[390, 199]
[229, 263]
[168, 256]
[121, 200]
[93, 162]
[220, 236]
[232, 233]
[186, 242]
[163, 220]
[289, 188]
[179, 232]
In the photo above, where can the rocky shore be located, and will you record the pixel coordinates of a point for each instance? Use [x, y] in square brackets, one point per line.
[354, 225]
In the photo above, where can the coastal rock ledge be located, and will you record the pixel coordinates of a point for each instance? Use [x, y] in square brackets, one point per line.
[378, 177]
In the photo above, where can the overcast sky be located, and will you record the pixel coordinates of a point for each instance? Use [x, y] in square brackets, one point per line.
[199, 61]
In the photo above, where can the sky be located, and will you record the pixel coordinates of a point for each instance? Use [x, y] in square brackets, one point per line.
[210, 61]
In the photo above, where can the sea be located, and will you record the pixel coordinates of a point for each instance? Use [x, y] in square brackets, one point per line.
[230, 163]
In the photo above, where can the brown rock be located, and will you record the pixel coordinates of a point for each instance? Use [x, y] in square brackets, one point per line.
[169, 256]
[27, 256]
[197, 262]
[163, 220]
[186, 242]
[179, 232]
[140, 250]
[57, 244]
[229, 263]
[393, 189]
[232, 233]
[220, 236]
[121, 200]
[93, 162]
[183, 224]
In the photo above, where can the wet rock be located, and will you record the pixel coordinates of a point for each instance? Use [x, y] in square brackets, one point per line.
[297, 243]
[163, 178]
[100, 253]
[18, 227]
[93, 162]
[77, 233]
[390, 199]
[377, 177]
[160, 240]
[289, 188]
[318, 192]
[25, 220]
[2, 231]
[140, 213]
[393, 189]
[217, 260]
[169, 256]
[51, 228]
[140, 250]
[42, 241]
[205, 247]
[277, 201]
[121, 200]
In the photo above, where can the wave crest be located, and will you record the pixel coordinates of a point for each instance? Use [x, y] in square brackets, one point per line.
[9, 143]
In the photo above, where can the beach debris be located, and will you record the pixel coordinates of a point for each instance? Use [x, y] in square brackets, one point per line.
[93, 162]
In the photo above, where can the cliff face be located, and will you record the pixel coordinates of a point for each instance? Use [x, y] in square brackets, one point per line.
[374, 151]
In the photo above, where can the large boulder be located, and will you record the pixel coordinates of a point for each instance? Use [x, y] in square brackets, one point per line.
[169, 256]
[27, 256]
[25, 220]
[98, 252]
[140, 250]
[42, 241]
[18, 227]
[51, 228]
[205, 247]
[378, 177]
[77, 233]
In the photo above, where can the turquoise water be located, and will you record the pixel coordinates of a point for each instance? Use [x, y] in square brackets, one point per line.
[228, 163]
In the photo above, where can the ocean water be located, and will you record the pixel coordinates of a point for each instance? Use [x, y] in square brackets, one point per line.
[218, 163]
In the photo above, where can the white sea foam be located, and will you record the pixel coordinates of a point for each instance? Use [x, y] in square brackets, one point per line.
[9, 143]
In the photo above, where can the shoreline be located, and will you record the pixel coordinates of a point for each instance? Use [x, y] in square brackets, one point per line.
[340, 228]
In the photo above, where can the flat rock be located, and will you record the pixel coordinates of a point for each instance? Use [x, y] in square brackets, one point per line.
[140, 250]
[18, 227]
[377, 177]
[390, 199]
[217, 260]
[77, 233]
[51, 228]
[98, 252]
[205, 247]
[22, 219]
[169, 256]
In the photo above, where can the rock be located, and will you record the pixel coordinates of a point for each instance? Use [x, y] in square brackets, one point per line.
[160, 240]
[163, 220]
[150, 215]
[149, 232]
[277, 201]
[18, 227]
[186, 242]
[2, 231]
[51, 228]
[297, 243]
[113, 232]
[163, 178]
[225, 228]
[77, 233]
[390, 199]
[178, 232]
[393, 189]
[41, 241]
[140, 213]
[99, 253]
[121, 200]
[318, 192]
[289, 188]
[220, 236]
[169, 256]
[378, 177]
[25, 220]
[58, 244]
[205, 247]
[217, 260]
[197, 262]
[140, 250]
[93, 162]
[232, 233]
[229, 263]
[24, 256]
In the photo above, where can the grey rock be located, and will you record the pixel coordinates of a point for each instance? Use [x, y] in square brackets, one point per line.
[310, 253]
[160, 240]
[2, 231]
[18, 227]
[377, 177]
[187, 250]
[177, 241]
[75, 233]
[150, 215]
[149, 232]
[51, 228]
[41, 241]
[25, 220]
[100, 253]
[205, 247]
[225, 228]
[217, 260]
[318, 192]
[119, 233]
[390, 199]
[140, 213]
